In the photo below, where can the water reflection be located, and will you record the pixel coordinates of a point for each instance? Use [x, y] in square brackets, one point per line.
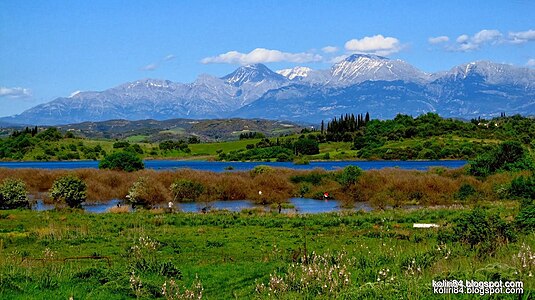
[295, 205]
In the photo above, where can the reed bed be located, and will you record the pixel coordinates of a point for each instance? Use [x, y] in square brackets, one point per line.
[385, 187]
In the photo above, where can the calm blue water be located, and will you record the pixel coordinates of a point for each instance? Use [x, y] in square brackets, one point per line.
[216, 166]
[301, 206]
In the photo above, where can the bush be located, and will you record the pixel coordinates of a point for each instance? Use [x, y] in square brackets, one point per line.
[50, 134]
[147, 191]
[134, 148]
[261, 169]
[349, 176]
[301, 161]
[509, 156]
[69, 189]
[194, 140]
[122, 161]
[186, 190]
[121, 144]
[282, 157]
[13, 194]
[171, 145]
[306, 146]
[523, 187]
[466, 190]
[482, 231]
[525, 220]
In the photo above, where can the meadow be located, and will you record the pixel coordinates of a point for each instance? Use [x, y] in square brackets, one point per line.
[250, 255]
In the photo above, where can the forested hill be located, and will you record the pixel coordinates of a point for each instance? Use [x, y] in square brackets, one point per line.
[346, 137]
[427, 136]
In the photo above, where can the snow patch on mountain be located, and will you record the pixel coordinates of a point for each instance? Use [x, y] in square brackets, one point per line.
[363, 67]
[297, 72]
[252, 73]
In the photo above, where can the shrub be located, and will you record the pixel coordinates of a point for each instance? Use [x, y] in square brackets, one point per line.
[509, 156]
[349, 175]
[306, 146]
[314, 178]
[301, 161]
[482, 231]
[525, 220]
[281, 157]
[121, 144]
[50, 134]
[122, 161]
[194, 140]
[466, 190]
[523, 187]
[69, 189]
[13, 194]
[134, 148]
[172, 145]
[186, 190]
[261, 169]
[147, 191]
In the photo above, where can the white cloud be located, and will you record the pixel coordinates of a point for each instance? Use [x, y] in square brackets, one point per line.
[467, 43]
[522, 36]
[486, 36]
[15, 92]
[465, 47]
[169, 57]
[377, 44]
[329, 49]
[462, 38]
[150, 67]
[531, 62]
[156, 65]
[261, 55]
[438, 39]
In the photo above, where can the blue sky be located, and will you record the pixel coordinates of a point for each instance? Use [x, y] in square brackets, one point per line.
[51, 49]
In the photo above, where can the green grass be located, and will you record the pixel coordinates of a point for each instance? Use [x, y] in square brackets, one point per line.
[233, 252]
[335, 151]
[212, 148]
[206, 150]
[136, 138]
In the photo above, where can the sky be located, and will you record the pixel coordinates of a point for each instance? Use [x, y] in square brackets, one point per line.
[51, 49]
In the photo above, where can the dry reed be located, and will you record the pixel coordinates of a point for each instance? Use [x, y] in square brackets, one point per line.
[392, 187]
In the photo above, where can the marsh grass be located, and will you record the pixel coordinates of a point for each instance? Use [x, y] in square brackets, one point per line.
[382, 188]
[119, 209]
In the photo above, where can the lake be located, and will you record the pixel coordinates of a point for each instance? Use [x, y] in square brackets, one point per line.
[300, 205]
[217, 166]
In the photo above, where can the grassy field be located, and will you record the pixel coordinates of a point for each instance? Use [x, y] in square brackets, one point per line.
[212, 148]
[247, 255]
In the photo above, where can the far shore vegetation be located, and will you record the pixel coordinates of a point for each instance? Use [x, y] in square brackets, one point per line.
[347, 137]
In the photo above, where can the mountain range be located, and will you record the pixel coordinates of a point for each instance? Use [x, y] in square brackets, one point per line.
[360, 83]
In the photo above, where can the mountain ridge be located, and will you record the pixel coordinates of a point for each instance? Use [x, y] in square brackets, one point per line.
[358, 83]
